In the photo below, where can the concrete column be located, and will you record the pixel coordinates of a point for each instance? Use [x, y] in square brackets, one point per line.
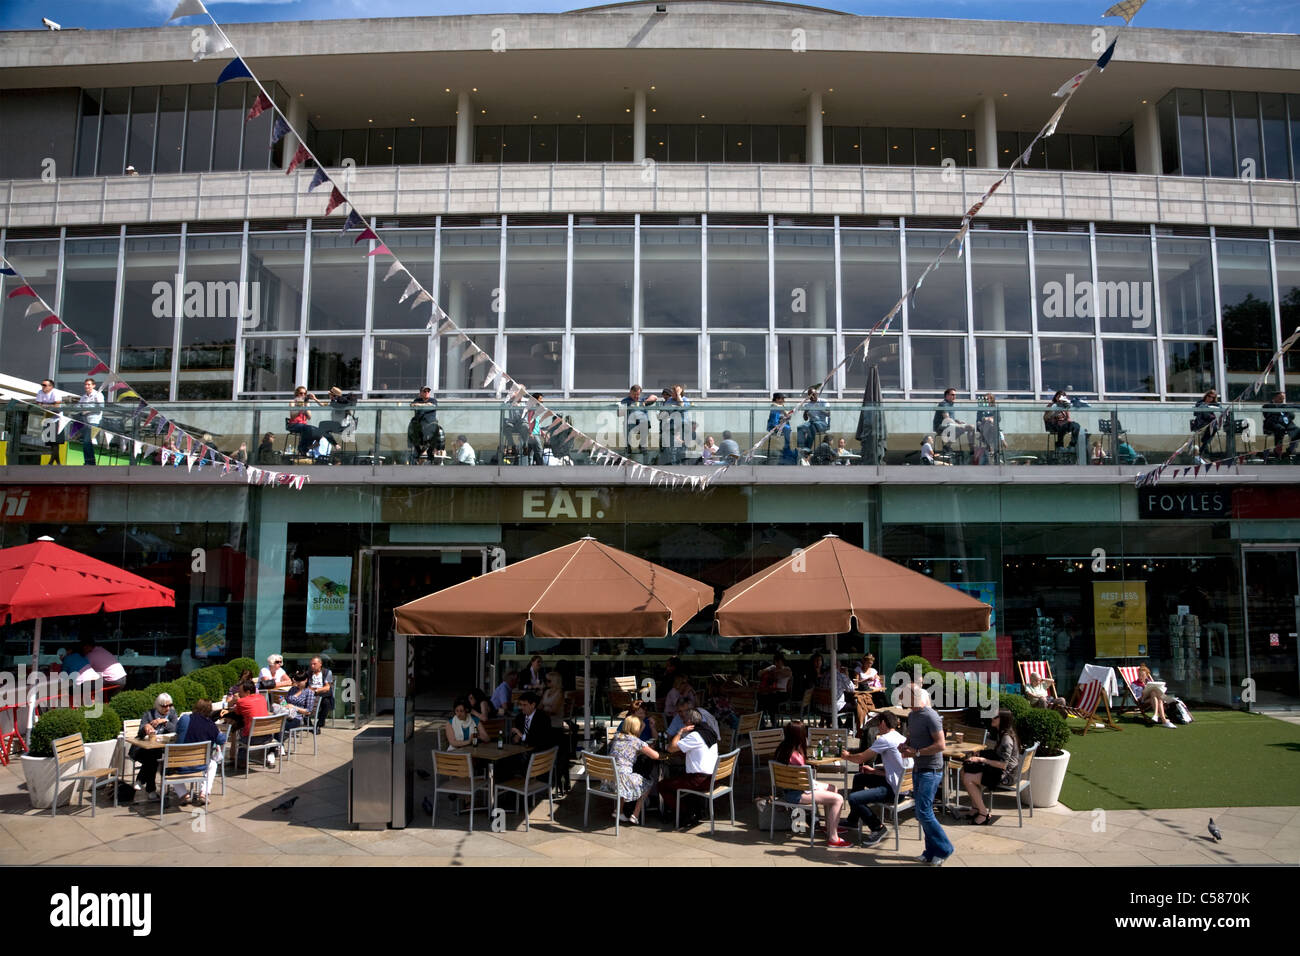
[272, 555]
[986, 134]
[817, 315]
[1146, 141]
[813, 144]
[453, 378]
[298, 120]
[638, 126]
[993, 306]
[464, 130]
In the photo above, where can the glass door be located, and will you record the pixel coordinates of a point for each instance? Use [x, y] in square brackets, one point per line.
[1272, 579]
[364, 641]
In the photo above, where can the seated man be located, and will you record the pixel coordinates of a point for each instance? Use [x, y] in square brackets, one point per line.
[817, 420]
[504, 692]
[532, 726]
[729, 450]
[699, 743]
[1056, 420]
[321, 681]
[465, 451]
[249, 705]
[824, 454]
[683, 708]
[948, 428]
[877, 786]
[1280, 423]
[1041, 692]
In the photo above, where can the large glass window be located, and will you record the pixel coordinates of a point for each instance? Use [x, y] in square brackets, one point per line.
[1125, 293]
[415, 248]
[670, 277]
[804, 271]
[144, 126]
[1288, 288]
[1272, 107]
[737, 362]
[1186, 287]
[1245, 112]
[938, 363]
[602, 278]
[1068, 364]
[145, 351]
[171, 128]
[535, 268]
[334, 360]
[999, 266]
[803, 360]
[1246, 295]
[275, 268]
[456, 357]
[89, 291]
[198, 128]
[1218, 129]
[399, 363]
[338, 283]
[601, 362]
[885, 353]
[940, 303]
[1189, 367]
[1130, 366]
[227, 139]
[256, 152]
[870, 274]
[738, 278]
[112, 133]
[88, 133]
[666, 359]
[469, 287]
[1003, 366]
[24, 352]
[537, 361]
[207, 364]
[1191, 133]
[1064, 273]
[269, 365]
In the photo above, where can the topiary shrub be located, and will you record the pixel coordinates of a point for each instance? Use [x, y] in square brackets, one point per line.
[1018, 705]
[180, 700]
[229, 674]
[242, 664]
[909, 664]
[52, 725]
[193, 690]
[104, 727]
[131, 704]
[1046, 727]
[213, 681]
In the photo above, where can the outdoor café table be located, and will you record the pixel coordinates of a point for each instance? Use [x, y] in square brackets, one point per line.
[955, 751]
[834, 765]
[491, 755]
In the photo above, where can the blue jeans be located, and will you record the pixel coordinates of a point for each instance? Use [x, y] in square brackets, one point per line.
[860, 805]
[926, 784]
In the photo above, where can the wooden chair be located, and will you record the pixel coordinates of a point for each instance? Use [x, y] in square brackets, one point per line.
[899, 805]
[537, 779]
[747, 724]
[622, 691]
[1021, 785]
[601, 770]
[182, 763]
[266, 730]
[762, 744]
[1130, 677]
[453, 773]
[69, 755]
[130, 731]
[744, 700]
[786, 778]
[721, 784]
[1088, 699]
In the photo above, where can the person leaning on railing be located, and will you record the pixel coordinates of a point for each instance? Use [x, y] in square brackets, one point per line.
[1280, 423]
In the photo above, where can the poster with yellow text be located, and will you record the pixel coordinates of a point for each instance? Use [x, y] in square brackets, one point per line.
[1119, 611]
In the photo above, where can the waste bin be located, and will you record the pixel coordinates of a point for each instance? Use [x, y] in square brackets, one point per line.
[370, 779]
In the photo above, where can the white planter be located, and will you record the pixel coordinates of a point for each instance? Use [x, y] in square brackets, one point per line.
[1046, 774]
[39, 772]
[100, 755]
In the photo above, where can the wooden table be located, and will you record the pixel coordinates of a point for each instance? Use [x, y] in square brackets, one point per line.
[491, 755]
[955, 751]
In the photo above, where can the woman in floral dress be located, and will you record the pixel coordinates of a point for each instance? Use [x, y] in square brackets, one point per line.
[624, 749]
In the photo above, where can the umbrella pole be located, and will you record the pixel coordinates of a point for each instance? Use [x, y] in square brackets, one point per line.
[36, 646]
[586, 693]
[832, 643]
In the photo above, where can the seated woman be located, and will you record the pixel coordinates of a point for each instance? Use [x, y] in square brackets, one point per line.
[994, 768]
[1153, 696]
[639, 711]
[1042, 693]
[625, 748]
[480, 704]
[774, 686]
[200, 728]
[682, 690]
[300, 702]
[160, 719]
[553, 705]
[464, 728]
[868, 679]
[793, 750]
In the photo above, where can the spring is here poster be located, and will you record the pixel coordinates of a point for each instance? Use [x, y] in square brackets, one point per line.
[328, 583]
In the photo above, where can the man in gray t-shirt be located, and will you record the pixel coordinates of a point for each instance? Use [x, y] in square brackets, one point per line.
[925, 744]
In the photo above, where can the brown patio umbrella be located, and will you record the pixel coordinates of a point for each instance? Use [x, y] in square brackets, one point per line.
[828, 586]
[582, 590]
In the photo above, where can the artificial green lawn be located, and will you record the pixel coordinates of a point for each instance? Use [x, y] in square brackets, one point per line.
[1223, 759]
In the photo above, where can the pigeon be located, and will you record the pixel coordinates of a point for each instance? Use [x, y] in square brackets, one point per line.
[286, 806]
[1215, 831]
[422, 773]
[427, 806]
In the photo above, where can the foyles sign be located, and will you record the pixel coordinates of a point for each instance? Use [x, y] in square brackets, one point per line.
[1213, 502]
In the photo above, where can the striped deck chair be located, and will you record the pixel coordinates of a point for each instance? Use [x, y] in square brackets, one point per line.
[1088, 699]
[1130, 678]
[1029, 668]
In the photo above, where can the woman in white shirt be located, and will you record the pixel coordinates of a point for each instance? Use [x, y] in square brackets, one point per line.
[464, 727]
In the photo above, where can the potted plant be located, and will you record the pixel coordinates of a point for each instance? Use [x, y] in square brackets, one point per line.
[38, 762]
[101, 737]
[1047, 772]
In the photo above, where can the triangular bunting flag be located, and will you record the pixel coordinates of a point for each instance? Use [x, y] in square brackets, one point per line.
[336, 200]
[6, 271]
[1125, 8]
[1072, 84]
[234, 70]
[1050, 128]
[380, 250]
[300, 156]
[479, 359]
[353, 221]
[189, 462]
[34, 307]
[1104, 60]
[188, 8]
[137, 447]
[366, 233]
[99, 367]
[260, 106]
[48, 321]
[395, 268]
[318, 179]
[22, 290]
[411, 288]
[422, 297]
[278, 130]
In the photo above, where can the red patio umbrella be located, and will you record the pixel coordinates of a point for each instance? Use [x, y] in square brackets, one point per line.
[44, 579]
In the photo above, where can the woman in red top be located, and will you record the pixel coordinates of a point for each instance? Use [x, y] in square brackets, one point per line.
[300, 419]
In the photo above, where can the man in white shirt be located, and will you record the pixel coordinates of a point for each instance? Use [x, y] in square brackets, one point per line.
[273, 674]
[90, 403]
[465, 452]
[700, 745]
[875, 786]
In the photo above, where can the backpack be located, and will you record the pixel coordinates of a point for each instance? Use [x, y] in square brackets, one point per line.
[1177, 711]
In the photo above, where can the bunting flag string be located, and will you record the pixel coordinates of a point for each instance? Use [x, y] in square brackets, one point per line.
[441, 322]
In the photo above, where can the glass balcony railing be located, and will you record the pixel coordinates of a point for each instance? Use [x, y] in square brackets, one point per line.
[380, 434]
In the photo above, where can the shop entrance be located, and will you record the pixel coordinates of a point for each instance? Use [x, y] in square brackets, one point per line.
[438, 669]
[1272, 588]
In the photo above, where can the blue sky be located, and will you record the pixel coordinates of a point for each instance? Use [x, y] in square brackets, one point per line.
[1257, 16]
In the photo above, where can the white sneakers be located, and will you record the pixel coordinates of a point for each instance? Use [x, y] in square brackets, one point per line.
[1170, 724]
[270, 759]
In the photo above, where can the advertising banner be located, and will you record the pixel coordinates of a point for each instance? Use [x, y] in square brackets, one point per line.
[210, 636]
[974, 647]
[1119, 610]
[328, 583]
